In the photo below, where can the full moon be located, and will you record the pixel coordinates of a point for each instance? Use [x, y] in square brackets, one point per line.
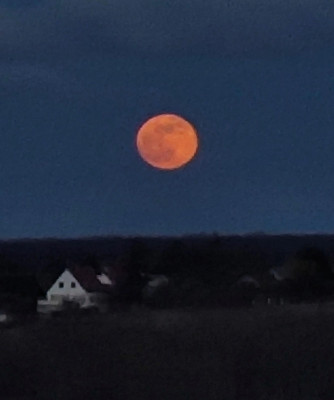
[167, 141]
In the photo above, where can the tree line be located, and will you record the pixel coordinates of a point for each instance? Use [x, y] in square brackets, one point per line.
[199, 270]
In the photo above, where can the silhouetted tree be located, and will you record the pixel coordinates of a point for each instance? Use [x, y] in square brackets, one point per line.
[175, 260]
[310, 270]
[8, 267]
[131, 281]
[91, 260]
[309, 264]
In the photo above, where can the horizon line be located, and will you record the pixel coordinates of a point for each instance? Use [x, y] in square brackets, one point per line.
[162, 236]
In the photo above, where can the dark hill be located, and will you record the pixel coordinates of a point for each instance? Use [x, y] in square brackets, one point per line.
[30, 255]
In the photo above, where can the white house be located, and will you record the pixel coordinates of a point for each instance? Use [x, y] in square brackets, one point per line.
[155, 282]
[79, 285]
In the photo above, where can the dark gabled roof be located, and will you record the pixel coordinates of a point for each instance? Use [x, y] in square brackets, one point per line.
[20, 285]
[87, 278]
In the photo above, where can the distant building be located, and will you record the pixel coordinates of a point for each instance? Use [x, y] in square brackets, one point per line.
[243, 291]
[79, 286]
[104, 279]
[280, 273]
[281, 287]
[154, 283]
[247, 281]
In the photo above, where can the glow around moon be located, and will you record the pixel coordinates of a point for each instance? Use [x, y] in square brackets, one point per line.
[167, 141]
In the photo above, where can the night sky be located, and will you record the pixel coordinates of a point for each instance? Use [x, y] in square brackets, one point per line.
[79, 77]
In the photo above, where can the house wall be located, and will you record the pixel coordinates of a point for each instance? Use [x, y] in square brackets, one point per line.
[63, 289]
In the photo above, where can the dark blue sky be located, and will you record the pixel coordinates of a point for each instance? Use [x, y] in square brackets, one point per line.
[78, 78]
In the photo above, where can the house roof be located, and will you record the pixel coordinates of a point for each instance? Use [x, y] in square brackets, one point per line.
[155, 281]
[104, 279]
[281, 273]
[116, 271]
[248, 280]
[87, 278]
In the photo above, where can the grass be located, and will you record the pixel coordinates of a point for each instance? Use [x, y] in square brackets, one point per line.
[261, 353]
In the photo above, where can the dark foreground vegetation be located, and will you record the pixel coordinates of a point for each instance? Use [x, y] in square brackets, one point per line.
[261, 353]
[190, 341]
[202, 269]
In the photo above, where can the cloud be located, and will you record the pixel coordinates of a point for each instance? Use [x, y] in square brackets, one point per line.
[63, 29]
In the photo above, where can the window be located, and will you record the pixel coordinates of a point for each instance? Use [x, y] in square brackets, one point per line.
[72, 284]
[61, 284]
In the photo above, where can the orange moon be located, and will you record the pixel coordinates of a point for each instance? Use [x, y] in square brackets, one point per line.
[167, 141]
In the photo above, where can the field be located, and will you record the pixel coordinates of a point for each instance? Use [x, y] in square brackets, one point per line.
[262, 353]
